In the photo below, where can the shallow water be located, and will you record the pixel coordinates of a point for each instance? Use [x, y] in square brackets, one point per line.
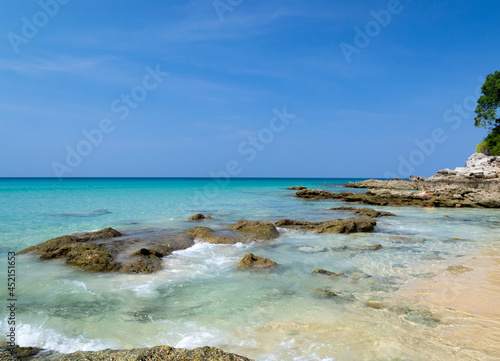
[201, 298]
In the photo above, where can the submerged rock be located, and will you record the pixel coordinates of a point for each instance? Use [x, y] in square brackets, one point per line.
[458, 270]
[350, 225]
[415, 315]
[199, 217]
[324, 272]
[342, 297]
[252, 261]
[312, 249]
[356, 248]
[157, 353]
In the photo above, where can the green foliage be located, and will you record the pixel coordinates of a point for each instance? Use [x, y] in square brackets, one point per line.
[482, 148]
[492, 141]
[489, 102]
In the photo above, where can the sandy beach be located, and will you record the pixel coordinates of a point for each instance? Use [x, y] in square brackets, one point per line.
[468, 299]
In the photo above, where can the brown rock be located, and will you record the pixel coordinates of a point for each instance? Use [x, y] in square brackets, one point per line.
[350, 225]
[157, 353]
[252, 261]
[215, 237]
[54, 245]
[257, 230]
[296, 188]
[91, 257]
[365, 212]
[329, 273]
[199, 217]
[93, 251]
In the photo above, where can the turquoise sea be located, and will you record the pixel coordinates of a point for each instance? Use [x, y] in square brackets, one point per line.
[201, 298]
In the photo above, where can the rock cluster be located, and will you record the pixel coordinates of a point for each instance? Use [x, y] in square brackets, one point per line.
[109, 250]
[364, 212]
[157, 353]
[478, 166]
[475, 185]
[350, 225]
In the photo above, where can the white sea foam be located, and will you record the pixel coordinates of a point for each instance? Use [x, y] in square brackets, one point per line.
[75, 286]
[38, 336]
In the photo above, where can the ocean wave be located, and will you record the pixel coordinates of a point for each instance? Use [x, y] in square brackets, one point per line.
[48, 339]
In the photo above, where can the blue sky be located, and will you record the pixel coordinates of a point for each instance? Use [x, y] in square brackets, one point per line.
[398, 104]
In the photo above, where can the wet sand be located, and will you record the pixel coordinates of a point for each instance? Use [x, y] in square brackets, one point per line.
[468, 302]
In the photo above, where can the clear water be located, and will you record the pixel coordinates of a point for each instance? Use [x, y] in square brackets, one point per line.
[201, 298]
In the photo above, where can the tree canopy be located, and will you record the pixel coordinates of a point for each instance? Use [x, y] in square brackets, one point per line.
[489, 102]
[486, 114]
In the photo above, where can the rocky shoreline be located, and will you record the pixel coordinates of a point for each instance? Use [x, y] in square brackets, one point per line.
[477, 185]
[137, 251]
[109, 250]
[157, 353]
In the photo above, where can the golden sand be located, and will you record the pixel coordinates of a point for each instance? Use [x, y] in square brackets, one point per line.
[466, 296]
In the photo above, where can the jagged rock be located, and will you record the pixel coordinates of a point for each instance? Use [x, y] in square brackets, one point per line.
[344, 208]
[199, 217]
[157, 353]
[108, 250]
[55, 244]
[440, 196]
[372, 213]
[366, 212]
[350, 225]
[257, 230]
[252, 261]
[215, 237]
[417, 179]
[324, 272]
[316, 194]
[478, 166]
[91, 257]
[475, 185]
[296, 188]
[384, 184]
[105, 233]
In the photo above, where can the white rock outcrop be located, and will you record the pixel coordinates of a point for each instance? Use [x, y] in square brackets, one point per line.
[478, 166]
